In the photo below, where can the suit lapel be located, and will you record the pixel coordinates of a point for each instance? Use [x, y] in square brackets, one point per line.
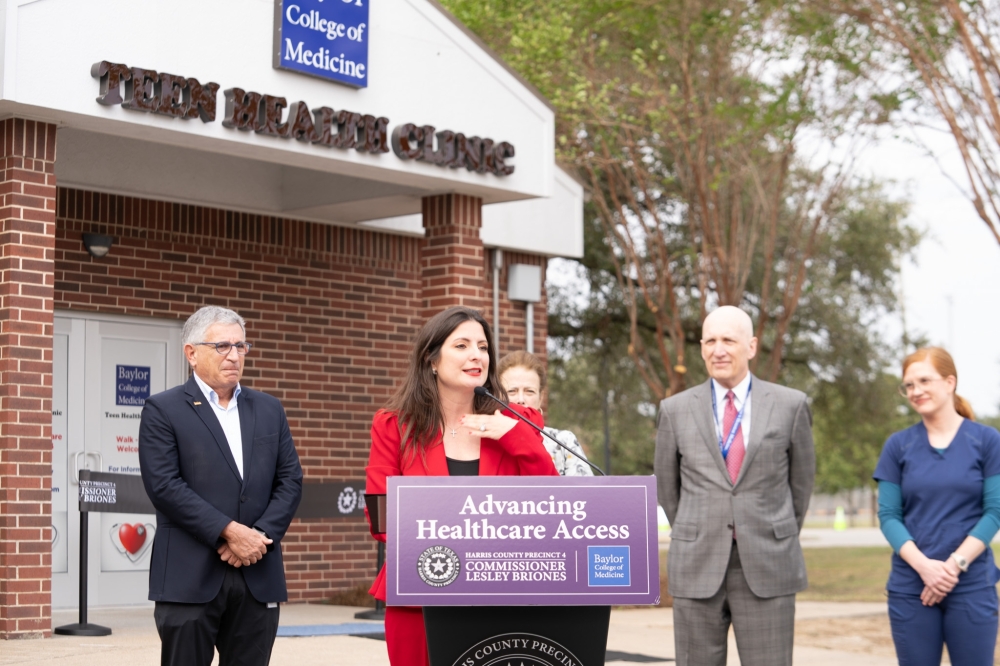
[705, 420]
[199, 403]
[437, 463]
[761, 405]
[431, 462]
[247, 424]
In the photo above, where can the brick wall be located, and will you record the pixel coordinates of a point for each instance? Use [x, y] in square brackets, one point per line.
[27, 229]
[331, 311]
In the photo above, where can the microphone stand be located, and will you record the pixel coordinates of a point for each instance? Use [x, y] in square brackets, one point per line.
[481, 390]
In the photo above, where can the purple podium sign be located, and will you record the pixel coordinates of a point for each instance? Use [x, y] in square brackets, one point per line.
[521, 541]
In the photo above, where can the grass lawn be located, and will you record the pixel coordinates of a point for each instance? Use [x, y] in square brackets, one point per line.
[839, 574]
[844, 574]
[850, 574]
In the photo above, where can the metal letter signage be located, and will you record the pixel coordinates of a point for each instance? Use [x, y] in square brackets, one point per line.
[182, 97]
[521, 541]
[324, 38]
[165, 94]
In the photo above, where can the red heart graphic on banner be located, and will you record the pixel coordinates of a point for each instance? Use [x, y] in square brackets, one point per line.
[132, 536]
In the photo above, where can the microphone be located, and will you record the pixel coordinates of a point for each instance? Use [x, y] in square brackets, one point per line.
[481, 390]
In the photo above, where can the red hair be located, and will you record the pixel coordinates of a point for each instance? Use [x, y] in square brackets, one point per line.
[945, 365]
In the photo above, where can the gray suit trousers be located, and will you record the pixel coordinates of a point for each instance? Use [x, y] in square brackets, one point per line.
[764, 628]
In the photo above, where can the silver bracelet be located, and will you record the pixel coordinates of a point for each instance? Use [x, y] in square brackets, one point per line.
[963, 564]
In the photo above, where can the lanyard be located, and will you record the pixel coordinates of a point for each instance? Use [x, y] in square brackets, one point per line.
[725, 446]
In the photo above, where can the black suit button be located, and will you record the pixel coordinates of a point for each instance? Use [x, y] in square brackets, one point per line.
[243, 499]
[729, 526]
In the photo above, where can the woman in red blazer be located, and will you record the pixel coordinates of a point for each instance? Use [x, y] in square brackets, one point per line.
[435, 425]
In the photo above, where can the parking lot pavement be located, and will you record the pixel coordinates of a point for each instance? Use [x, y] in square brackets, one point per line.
[635, 636]
[134, 642]
[825, 537]
[639, 633]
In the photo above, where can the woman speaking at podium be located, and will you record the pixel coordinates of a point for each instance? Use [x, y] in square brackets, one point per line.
[435, 425]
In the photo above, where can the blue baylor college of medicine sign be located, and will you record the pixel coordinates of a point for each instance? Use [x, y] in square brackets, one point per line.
[324, 38]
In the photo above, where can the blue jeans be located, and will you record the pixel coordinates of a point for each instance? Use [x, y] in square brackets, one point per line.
[966, 622]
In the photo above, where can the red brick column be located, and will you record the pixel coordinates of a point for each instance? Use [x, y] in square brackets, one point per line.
[27, 255]
[451, 256]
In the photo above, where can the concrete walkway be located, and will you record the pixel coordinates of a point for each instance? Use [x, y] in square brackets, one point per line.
[636, 635]
[824, 537]
[820, 537]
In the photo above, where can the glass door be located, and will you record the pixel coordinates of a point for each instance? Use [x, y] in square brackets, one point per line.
[112, 366]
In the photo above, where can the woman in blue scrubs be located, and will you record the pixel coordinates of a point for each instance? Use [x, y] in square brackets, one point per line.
[939, 505]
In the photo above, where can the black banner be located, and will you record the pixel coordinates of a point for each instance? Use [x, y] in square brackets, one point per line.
[104, 492]
[341, 499]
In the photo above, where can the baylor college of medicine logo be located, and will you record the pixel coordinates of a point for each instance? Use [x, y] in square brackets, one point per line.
[517, 649]
[438, 566]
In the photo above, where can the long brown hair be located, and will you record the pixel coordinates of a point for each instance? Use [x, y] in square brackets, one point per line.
[416, 401]
[945, 366]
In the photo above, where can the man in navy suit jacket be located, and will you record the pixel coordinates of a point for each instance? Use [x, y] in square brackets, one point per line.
[219, 464]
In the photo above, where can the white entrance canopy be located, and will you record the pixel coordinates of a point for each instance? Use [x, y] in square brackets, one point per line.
[423, 69]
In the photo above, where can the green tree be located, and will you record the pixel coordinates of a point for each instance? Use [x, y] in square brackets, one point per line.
[685, 118]
[835, 351]
[992, 421]
[852, 420]
[939, 62]
[598, 388]
[593, 383]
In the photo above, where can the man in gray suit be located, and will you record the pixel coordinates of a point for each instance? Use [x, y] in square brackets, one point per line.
[735, 468]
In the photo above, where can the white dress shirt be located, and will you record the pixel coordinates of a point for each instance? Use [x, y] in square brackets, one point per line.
[229, 419]
[742, 395]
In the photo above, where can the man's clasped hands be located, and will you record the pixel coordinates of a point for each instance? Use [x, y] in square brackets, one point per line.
[243, 545]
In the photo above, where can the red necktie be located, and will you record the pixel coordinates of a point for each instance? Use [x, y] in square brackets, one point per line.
[736, 450]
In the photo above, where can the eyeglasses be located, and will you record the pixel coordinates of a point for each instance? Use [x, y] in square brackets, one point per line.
[906, 388]
[225, 347]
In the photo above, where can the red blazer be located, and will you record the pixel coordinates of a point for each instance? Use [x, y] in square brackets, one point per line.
[518, 453]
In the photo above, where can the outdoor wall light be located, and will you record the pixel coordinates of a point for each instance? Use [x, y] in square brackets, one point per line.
[98, 245]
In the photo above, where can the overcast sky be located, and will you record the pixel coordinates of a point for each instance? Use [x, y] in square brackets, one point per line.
[959, 260]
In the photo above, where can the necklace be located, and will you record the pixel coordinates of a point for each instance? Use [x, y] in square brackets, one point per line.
[452, 430]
